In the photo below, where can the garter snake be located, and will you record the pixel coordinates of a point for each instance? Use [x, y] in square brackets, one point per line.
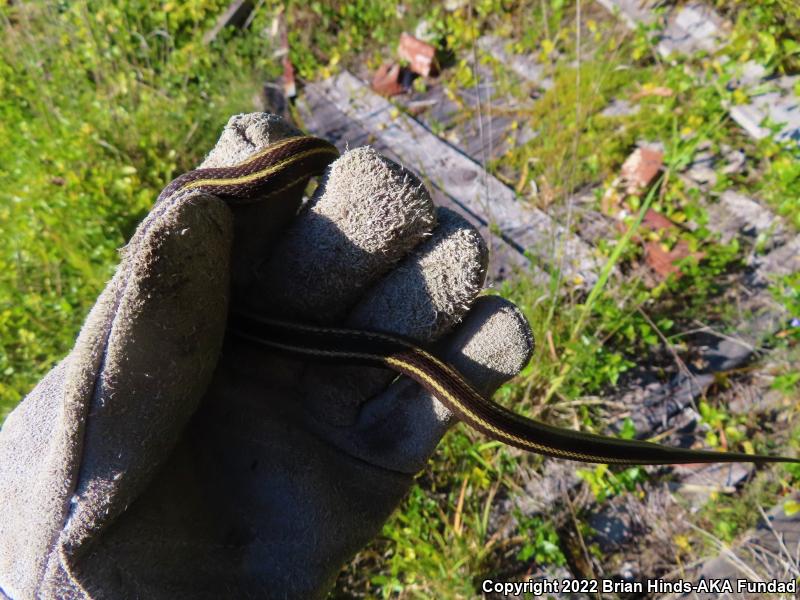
[291, 162]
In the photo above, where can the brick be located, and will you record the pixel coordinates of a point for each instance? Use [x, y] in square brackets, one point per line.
[386, 80]
[421, 56]
[289, 85]
[641, 168]
[663, 261]
[655, 221]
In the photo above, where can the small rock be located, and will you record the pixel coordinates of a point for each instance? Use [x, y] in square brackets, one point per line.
[523, 65]
[420, 55]
[691, 29]
[620, 108]
[751, 73]
[424, 32]
[751, 218]
[454, 5]
[750, 118]
[696, 483]
[702, 174]
[736, 161]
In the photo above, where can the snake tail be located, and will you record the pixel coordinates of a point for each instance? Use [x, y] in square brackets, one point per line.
[449, 386]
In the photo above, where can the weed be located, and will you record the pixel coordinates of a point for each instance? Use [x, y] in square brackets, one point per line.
[605, 484]
[541, 542]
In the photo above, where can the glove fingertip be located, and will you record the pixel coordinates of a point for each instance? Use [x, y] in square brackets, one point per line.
[247, 133]
[493, 344]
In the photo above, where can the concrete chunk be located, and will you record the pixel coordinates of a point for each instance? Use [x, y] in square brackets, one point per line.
[632, 12]
[691, 29]
[525, 66]
[736, 215]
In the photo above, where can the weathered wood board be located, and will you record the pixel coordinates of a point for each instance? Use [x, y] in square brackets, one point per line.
[527, 230]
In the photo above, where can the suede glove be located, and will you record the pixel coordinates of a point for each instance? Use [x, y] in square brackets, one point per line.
[162, 459]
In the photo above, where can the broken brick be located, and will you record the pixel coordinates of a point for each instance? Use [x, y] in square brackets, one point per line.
[662, 92]
[663, 261]
[641, 168]
[386, 80]
[652, 221]
[655, 221]
[421, 56]
[289, 85]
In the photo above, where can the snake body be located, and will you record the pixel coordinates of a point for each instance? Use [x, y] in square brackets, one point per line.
[291, 162]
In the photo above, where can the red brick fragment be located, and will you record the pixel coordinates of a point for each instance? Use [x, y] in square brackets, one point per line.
[663, 261]
[641, 168]
[421, 56]
[386, 80]
[289, 85]
[655, 221]
[652, 221]
[663, 92]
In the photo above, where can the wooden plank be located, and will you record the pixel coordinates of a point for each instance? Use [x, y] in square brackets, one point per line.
[234, 16]
[325, 120]
[487, 200]
[471, 119]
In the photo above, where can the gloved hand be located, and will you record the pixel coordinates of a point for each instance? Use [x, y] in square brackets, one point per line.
[161, 459]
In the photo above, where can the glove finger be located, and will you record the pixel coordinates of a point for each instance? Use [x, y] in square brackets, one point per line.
[256, 224]
[167, 318]
[433, 288]
[400, 428]
[367, 214]
[422, 298]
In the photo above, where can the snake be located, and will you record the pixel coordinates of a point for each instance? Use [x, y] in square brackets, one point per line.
[291, 163]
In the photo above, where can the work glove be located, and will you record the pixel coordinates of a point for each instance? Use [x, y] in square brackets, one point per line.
[164, 459]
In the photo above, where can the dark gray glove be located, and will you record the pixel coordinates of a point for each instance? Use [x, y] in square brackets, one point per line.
[161, 460]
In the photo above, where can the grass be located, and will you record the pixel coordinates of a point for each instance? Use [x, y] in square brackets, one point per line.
[96, 121]
[102, 103]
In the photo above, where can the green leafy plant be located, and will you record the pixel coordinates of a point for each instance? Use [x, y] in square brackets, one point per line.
[605, 484]
[541, 542]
